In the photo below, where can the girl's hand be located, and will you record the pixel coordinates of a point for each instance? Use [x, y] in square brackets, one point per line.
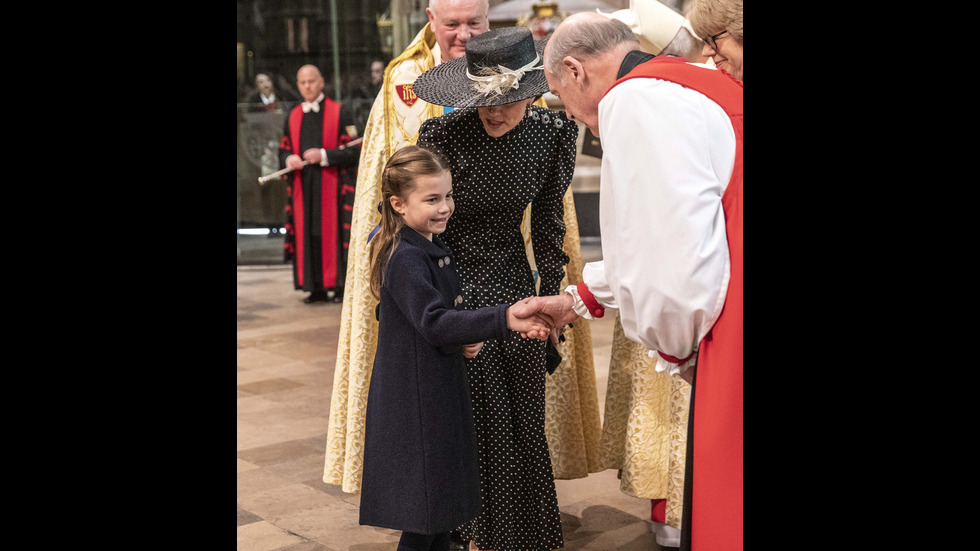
[537, 331]
[471, 350]
[533, 326]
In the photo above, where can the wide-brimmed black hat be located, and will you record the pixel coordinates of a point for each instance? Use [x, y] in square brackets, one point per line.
[500, 66]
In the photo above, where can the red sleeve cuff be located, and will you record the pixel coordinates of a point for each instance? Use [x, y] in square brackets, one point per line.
[672, 359]
[590, 302]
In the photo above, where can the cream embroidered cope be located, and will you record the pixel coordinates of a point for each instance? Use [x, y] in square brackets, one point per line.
[489, 80]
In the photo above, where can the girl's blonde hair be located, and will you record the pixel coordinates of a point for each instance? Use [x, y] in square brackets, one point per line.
[398, 180]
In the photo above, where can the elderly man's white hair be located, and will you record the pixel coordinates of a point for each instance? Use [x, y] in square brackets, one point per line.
[585, 36]
[434, 4]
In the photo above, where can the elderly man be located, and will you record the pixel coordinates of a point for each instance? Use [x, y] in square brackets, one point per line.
[644, 426]
[671, 223]
[320, 188]
[395, 119]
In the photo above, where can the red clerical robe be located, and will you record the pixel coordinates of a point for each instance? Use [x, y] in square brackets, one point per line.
[320, 201]
[716, 452]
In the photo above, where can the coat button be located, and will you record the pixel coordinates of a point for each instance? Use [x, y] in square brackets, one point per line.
[448, 260]
[440, 263]
[458, 301]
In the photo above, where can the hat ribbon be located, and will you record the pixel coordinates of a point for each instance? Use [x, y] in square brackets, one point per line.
[492, 81]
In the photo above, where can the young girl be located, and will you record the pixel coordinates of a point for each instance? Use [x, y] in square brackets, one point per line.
[420, 462]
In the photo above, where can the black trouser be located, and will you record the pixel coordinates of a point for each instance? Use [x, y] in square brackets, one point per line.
[411, 541]
[686, 519]
[313, 263]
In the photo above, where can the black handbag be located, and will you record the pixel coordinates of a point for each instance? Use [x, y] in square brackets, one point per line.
[552, 357]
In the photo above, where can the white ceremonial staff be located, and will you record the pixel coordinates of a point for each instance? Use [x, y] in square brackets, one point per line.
[274, 175]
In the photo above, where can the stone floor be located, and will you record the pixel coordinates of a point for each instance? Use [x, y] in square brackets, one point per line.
[286, 354]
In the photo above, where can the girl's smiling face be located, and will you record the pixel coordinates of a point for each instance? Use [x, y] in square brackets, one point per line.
[429, 205]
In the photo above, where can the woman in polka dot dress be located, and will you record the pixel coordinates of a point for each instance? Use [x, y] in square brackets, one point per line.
[505, 153]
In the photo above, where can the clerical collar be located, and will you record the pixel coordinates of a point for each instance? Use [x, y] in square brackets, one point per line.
[268, 100]
[631, 60]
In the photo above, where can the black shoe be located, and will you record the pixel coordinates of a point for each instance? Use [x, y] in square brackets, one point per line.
[457, 543]
[316, 296]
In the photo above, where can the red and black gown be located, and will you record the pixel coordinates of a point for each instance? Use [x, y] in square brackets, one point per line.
[320, 200]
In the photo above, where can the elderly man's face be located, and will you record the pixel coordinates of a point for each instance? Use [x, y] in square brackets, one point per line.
[455, 22]
[579, 105]
[310, 83]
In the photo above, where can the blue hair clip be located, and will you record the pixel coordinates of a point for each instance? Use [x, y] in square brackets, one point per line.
[378, 227]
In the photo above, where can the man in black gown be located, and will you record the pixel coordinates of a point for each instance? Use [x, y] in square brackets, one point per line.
[320, 188]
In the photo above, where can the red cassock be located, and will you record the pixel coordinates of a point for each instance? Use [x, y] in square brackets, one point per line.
[716, 485]
[335, 198]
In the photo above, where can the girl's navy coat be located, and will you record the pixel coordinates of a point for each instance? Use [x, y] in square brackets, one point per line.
[420, 465]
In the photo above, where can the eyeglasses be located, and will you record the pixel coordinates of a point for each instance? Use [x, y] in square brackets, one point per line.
[711, 40]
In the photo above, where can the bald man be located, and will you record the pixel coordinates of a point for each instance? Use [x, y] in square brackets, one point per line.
[671, 224]
[320, 189]
[647, 443]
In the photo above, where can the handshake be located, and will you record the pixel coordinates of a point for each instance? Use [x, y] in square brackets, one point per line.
[542, 317]
[536, 318]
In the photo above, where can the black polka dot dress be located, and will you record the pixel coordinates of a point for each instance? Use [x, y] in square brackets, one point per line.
[494, 179]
